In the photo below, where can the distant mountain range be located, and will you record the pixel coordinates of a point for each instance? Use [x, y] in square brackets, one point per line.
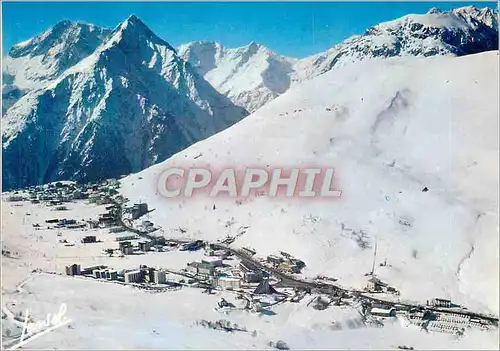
[253, 75]
[84, 103]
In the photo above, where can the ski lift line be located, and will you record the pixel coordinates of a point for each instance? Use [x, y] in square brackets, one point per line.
[374, 256]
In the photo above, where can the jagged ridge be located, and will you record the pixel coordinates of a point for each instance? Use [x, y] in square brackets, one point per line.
[132, 103]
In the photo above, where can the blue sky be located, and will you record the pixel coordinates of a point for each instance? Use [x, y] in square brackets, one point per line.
[292, 29]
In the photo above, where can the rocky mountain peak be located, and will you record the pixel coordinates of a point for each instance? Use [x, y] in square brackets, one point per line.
[63, 36]
[433, 11]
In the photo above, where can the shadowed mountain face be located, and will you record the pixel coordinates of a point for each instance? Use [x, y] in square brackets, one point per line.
[130, 104]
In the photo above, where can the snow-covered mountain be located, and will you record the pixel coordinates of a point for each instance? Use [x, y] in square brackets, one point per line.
[67, 103]
[253, 75]
[462, 31]
[31, 64]
[250, 76]
[391, 128]
[129, 104]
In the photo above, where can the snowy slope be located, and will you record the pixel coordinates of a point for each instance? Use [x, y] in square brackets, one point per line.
[131, 103]
[390, 127]
[250, 76]
[31, 64]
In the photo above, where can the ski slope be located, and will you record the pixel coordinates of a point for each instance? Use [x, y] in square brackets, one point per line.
[390, 128]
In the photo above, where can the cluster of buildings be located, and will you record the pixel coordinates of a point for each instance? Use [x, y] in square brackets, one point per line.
[436, 302]
[141, 275]
[57, 193]
[62, 223]
[206, 268]
[146, 274]
[147, 226]
[127, 248]
[428, 318]
[136, 211]
[212, 269]
[456, 323]
[375, 285]
[285, 263]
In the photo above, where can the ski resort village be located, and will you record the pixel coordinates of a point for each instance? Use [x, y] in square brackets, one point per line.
[91, 234]
[100, 252]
